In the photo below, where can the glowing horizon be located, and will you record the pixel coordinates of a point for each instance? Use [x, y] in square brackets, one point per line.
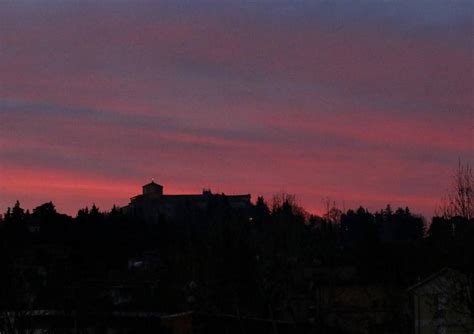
[367, 104]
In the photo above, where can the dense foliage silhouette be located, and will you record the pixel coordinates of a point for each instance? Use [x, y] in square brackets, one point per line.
[216, 262]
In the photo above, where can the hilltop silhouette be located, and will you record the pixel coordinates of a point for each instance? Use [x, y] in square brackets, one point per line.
[222, 263]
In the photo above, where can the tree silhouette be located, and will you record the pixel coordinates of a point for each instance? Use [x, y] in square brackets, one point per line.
[262, 212]
[17, 214]
[359, 226]
[459, 200]
[252, 268]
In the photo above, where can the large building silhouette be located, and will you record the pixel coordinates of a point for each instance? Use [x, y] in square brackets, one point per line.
[153, 205]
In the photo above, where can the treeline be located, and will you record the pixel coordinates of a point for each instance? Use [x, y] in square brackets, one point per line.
[271, 266]
[283, 219]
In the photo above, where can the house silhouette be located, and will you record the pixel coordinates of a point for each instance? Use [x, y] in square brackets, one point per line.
[153, 205]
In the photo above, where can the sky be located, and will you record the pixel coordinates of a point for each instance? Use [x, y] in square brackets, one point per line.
[362, 102]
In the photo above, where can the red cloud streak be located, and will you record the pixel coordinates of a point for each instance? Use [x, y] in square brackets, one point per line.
[94, 105]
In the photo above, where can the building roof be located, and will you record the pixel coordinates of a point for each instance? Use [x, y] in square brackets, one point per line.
[442, 272]
[153, 183]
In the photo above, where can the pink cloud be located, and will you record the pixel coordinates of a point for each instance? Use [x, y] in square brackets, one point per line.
[361, 113]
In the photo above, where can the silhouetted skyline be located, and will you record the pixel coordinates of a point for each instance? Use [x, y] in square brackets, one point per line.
[365, 103]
